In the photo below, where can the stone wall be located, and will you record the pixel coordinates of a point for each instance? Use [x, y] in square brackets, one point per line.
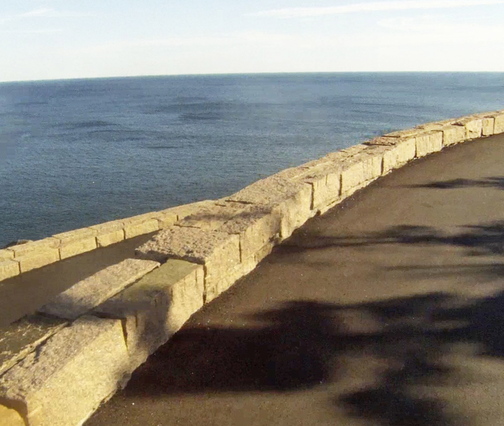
[76, 351]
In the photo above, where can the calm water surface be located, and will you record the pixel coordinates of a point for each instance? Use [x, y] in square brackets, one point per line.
[79, 152]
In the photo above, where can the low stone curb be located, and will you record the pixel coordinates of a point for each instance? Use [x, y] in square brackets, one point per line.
[59, 365]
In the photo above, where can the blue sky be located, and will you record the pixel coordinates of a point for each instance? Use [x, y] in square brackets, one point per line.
[51, 39]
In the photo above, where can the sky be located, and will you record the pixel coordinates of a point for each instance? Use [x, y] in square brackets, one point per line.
[56, 39]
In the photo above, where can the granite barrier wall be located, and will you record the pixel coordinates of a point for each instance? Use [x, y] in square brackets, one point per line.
[77, 350]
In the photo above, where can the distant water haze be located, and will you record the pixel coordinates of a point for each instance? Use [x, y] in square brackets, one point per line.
[75, 153]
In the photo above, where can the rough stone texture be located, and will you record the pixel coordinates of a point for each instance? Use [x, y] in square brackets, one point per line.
[255, 224]
[499, 123]
[65, 380]
[140, 225]
[399, 154]
[76, 242]
[324, 175]
[22, 337]
[6, 254]
[437, 125]
[187, 209]
[453, 134]
[212, 217]
[291, 201]
[473, 126]
[166, 218]
[109, 233]
[404, 133]
[9, 417]
[428, 142]
[488, 124]
[155, 307]
[35, 254]
[8, 268]
[218, 251]
[34, 247]
[90, 292]
[360, 165]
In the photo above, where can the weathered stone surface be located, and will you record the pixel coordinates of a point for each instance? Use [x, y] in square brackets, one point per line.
[109, 233]
[437, 125]
[487, 126]
[9, 417]
[76, 242]
[499, 123]
[8, 268]
[212, 217]
[453, 134]
[360, 164]
[290, 200]
[255, 224]
[36, 254]
[34, 247]
[386, 140]
[428, 142]
[404, 133]
[155, 307]
[22, 337]
[188, 209]
[256, 227]
[473, 126]
[166, 218]
[399, 154]
[65, 380]
[6, 254]
[90, 292]
[140, 225]
[218, 251]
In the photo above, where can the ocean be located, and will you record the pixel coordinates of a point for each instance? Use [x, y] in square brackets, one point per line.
[74, 153]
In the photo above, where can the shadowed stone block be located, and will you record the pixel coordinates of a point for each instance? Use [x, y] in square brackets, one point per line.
[218, 251]
[155, 307]
[9, 417]
[428, 142]
[65, 380]
[8, 268]
[90, 292]
[76, 242]
[20, 338]
[109, 233]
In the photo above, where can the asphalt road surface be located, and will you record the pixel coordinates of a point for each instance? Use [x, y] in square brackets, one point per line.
[387, 310]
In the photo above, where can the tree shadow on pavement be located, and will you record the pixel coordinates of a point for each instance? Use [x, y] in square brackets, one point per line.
[496, 182]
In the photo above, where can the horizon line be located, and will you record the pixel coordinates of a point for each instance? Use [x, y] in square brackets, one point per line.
[250, 73]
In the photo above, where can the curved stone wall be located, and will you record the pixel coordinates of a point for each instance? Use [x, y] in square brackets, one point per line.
[85, 344]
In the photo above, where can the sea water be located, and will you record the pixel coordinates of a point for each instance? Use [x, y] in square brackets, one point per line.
[74, 153]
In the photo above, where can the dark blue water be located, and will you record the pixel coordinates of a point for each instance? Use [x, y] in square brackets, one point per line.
[80, 152]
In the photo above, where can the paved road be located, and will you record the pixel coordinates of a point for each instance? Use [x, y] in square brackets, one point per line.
[388, 310]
